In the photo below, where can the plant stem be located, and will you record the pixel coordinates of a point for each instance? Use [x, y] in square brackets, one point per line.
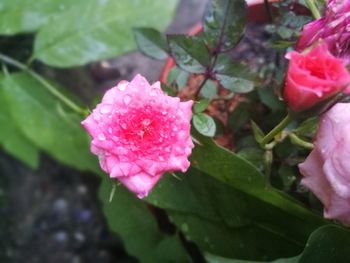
[69, 103]
[268, 10]
[298, 141]
[284, 123]
[313, 8]
[196, 94]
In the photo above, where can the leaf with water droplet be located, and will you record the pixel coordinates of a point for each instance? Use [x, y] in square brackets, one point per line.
[234, 76]
[190, 53]
[151, 42]
[204, 124]
[224, 23]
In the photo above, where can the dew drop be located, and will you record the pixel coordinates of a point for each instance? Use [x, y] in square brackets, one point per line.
[152, 102]
[160, 139]
[153, 92]
[101, 137]
[110, 130]
[146, 122]
[164, 112]
[124, 126]
[161, 158]
[127, 99]
[184, 227]
[122, 86]
[175, 129]
[106, 108]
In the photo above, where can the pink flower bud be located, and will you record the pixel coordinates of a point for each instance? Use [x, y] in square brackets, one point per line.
[139, 133]
[333, 29]
[327, 169]
[314, 77]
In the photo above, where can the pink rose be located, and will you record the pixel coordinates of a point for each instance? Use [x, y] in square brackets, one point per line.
[333, 29]
[139, 133]
[314, 77]
[327, 169]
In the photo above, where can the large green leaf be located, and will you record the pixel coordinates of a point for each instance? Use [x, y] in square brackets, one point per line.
[134, 222]
[12, 139]
[227, 222]
[44, 121]
[18, 16]
[326, 244]
[235, 171]
[98, 29]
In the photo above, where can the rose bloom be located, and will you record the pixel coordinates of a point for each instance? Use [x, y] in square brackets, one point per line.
[139, 133]
[314, 77]
[327, 169]
[333, 29]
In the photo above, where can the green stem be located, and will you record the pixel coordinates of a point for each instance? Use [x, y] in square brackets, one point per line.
[70, 104]
[313, 8]
[298, 141]
[284, 123]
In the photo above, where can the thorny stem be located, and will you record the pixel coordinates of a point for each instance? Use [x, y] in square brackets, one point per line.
[70, 104]
[284, 123]
[313, 8]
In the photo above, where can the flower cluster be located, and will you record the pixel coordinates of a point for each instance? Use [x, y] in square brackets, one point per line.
[139, 133]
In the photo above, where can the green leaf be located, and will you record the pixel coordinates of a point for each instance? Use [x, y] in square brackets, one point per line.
[93, 30]
[201, 105]
[168, 90]
[225, 221]
[258, 133]
[240, 174]
[42, 119]
[12, 139]
[131, 219]
[224, 23]
[18, 16]
[234, 76]
[151, 42]
[210, 258]
[190, 53]
[204, 124]
[327, 244]
[209, 90]
[308, 127]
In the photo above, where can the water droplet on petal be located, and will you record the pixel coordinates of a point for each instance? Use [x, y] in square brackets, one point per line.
[174, 128]
[124, 126]
[127, 99]
[110, 130]
[101, 137]
[106, 108]
[152, 102]
[146, 122]
[161, 158]
[153, 92]
[164, 112]
[160, 139]
[122, 86]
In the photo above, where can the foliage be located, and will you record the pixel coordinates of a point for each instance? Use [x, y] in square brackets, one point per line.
[233, 205]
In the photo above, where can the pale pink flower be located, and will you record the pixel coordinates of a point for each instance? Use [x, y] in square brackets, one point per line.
[327, 169]
[333, 28]
[139, 133]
